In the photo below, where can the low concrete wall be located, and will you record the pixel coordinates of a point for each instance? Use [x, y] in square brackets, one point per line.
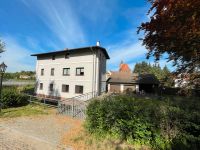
[17, 83]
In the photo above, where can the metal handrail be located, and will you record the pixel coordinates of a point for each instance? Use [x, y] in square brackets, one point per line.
[81, 103]
[79, 96]
[77, 104]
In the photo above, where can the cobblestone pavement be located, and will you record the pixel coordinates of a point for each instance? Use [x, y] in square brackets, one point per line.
[33, 133]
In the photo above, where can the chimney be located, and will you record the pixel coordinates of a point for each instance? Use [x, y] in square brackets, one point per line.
[98, 43]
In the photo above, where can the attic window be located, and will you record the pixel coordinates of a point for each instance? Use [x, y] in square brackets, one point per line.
[53, 57]
[67, 56]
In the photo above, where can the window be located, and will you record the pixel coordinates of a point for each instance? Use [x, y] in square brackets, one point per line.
[51, 87]
[79, 89]
[41, 86]
[52, 71]
[66, 71]
[65, 88]
[42, 72]
[53, 57]
[67, 56]
[80, 71]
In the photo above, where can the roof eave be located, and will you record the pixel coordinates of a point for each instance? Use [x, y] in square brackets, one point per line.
[63, 51]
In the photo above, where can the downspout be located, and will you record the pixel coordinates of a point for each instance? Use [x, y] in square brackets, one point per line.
[36, 76]
[92, 72]
[95, 63]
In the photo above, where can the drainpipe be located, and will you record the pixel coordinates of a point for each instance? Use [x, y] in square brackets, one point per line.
[92, 71]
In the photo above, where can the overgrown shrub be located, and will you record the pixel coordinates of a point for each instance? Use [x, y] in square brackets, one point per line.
[28, 89]
[12, 98]
[159, 124]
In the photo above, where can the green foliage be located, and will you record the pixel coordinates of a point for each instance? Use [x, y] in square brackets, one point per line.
[17, 75]
[12, 98]
[28, 89]
[174, 29]
[159, 124]
[163, 75]
[142, 68]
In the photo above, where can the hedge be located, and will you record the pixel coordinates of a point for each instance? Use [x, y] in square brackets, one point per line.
[11, 97]
[159, 124]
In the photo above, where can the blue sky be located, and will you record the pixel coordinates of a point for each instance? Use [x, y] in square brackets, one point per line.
[34, 26]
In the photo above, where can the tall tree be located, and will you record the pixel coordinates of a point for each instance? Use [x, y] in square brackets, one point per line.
[174, 28]
[167, 77]
[164, 75]
[142, 68]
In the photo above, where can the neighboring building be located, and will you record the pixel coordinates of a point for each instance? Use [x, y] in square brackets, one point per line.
[25, 77]
[124, 81]
[124, 67]
[182, 80]
[71, 72]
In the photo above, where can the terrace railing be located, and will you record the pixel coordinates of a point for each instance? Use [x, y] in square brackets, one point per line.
[76, 106]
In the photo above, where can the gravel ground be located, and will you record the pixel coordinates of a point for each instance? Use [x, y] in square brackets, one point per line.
[33, 133]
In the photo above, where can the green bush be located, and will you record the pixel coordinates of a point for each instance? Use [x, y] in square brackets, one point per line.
[159, 124]
[28, 89]
[12, 98]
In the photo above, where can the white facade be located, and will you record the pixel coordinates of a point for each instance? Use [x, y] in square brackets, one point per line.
[92, 60]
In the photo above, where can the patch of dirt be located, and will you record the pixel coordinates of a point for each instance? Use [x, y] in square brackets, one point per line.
[37, 132]
[75, 131]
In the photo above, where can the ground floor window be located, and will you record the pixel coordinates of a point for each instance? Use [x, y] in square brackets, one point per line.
[51, 87]
[65, 88]
[41, 86]
[78, 89]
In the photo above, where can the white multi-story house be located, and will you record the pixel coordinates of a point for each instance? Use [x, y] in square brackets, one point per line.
[71, 72]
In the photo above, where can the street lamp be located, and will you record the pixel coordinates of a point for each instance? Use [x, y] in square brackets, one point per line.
[2, 71]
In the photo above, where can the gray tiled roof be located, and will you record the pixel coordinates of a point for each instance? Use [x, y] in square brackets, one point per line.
[81, 49]
[124, 77]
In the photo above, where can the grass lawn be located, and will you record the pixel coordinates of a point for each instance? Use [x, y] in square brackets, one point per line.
[28, 110]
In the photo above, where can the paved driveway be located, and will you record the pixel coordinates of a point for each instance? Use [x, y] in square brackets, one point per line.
[34, 133]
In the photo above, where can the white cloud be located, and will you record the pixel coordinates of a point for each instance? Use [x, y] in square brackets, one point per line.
[126, 51]
[131, 53]
[60, 19]
[16, 57]
[34, 44]
[97, 12]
